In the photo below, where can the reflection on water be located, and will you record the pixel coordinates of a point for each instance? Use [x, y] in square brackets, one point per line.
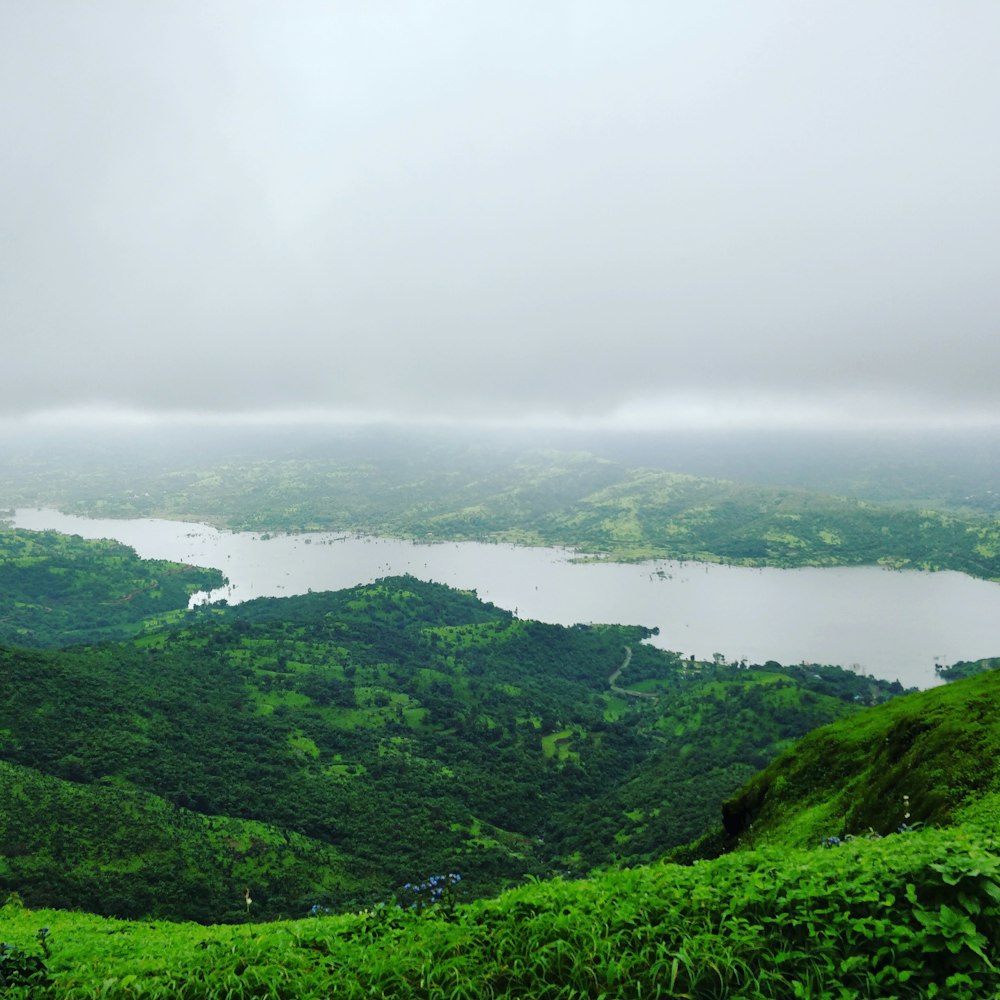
[890, 624]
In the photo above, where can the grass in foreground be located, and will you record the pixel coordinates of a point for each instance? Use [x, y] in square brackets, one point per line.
[911, 915]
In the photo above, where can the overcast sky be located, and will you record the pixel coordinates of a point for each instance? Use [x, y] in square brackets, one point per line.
[599, 212]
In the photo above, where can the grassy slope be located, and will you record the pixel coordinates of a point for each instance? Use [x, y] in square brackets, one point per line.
[912, 914]
[938, 748]
[908, 916]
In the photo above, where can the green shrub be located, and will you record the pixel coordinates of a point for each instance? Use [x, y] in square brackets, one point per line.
[907, 916]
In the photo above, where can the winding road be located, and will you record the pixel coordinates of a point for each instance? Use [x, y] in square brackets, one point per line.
[628, 692]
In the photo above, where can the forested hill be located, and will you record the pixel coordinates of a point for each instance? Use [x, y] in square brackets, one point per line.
[904, 909]
[61, 589]
[332, 751]
[434, 490]
[370, 737]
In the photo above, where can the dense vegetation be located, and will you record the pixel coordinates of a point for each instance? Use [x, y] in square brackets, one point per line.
[967, 668]
[362, 750]
[108, 847]
[913, 915]
[379, 732]
[59, 589]
[452, 491]
[922, 759]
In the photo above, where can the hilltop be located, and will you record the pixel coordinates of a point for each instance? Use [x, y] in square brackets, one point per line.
[61, 589]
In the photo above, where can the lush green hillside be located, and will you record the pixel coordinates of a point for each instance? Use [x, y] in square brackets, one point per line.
[108, 847]
[60, 589]
[922, 759]
[429, 489]
[367, 748]
[909, 916]
[713, 727]
[405, 726]
[967, 668]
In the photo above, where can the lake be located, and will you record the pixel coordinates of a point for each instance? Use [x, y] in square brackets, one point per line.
[894, 625]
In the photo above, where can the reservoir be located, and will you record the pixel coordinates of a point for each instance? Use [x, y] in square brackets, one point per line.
[894, 625]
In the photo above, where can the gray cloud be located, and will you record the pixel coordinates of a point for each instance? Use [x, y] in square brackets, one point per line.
[563, 210]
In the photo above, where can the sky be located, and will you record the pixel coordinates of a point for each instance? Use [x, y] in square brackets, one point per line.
[592, 213]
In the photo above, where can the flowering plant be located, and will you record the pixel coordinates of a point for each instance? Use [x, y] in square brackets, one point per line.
[437, 890]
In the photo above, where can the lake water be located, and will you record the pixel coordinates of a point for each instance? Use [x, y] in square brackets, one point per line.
[889, 624]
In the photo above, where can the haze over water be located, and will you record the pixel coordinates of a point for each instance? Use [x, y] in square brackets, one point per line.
[894, 625]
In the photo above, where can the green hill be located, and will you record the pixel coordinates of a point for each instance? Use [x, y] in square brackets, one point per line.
[444, 488]
[62, 589]
[111, 848]
[402, 727]
[911, 914]
[361, 750]
[927, 758]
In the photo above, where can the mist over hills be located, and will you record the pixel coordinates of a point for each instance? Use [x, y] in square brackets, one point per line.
[951, 469]
[469, 486]
[694, 282]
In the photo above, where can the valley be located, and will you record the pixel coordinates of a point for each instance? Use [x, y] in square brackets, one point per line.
[398, 727]
[893, 625]
[324, 747]
[499, 501]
